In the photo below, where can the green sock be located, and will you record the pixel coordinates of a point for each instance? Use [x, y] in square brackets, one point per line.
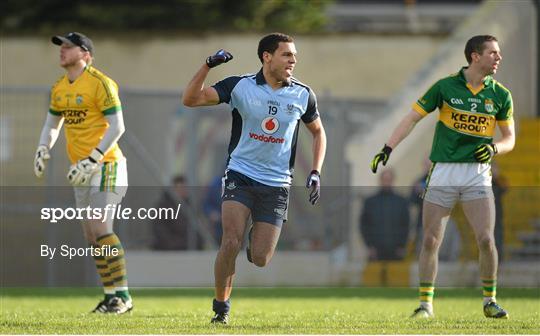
[124, 294]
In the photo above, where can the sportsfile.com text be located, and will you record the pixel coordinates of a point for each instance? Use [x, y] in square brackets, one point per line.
[110, 211]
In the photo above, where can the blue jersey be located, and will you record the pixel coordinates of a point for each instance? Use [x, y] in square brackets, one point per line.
[265, 125]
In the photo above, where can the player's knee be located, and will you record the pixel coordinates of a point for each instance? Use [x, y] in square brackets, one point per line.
[231, 245]
[95, 229]
[260, 260]
[486, 242]
[91, 241]
[90, 238]
[431, 243]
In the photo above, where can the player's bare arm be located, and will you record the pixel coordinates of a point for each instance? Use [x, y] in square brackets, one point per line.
[319, 143]
[195, 94]
[401, 131]
[484, 153]
[319, 151]
[508, 139]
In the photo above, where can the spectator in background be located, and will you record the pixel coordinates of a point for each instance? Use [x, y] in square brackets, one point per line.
[212, 207]
[384, 223]
[173, 234]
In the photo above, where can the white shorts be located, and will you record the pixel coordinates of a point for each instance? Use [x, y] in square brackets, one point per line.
[449, 182]
[107, 186]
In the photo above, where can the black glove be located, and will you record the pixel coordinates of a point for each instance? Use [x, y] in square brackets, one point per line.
[383, 156]
[221, 56]
[314, 183]
[485, 152]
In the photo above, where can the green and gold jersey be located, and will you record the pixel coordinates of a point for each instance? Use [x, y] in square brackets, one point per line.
[467, 117]
[84, 104]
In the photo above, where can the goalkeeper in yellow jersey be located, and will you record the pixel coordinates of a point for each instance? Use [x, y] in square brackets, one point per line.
[471, 103]
[87, 102]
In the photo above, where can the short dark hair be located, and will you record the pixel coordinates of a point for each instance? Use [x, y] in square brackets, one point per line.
[270, 43]
[179, 179]
[476, 44]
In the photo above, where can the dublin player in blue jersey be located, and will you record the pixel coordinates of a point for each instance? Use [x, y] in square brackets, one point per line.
[267, 108]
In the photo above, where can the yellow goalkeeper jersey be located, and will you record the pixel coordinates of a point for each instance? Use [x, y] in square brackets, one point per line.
[84, 104]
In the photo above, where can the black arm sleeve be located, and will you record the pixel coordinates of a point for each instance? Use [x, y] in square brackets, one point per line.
[312, 111]
[225, 87]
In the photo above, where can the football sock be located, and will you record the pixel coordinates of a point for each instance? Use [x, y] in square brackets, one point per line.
[426, 291]
[489, 287]
[116, 264]
[104, 275]
[220, 307]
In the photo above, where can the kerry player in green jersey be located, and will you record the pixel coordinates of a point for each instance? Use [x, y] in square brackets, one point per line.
[470, 103]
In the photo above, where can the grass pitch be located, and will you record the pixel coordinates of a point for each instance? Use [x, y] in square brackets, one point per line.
[267, 311]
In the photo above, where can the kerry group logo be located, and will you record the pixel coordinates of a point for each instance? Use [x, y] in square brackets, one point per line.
[270, 125]
[476, 124]
[74, 117]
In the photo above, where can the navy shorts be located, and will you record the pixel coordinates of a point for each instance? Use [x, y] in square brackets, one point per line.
[267, 204]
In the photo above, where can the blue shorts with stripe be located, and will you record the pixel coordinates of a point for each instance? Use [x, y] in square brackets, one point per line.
[267, 204]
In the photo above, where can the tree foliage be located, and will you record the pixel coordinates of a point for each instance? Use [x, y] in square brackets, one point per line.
[300, 16]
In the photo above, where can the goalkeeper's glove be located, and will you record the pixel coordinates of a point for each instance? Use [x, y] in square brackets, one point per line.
[221, 56]
[382, 156]
[80, 173]
[314, 183]
[40, 160]
[485, 152]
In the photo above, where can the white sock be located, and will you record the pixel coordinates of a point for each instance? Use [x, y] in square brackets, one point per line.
[488, 300]
[427, 306]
